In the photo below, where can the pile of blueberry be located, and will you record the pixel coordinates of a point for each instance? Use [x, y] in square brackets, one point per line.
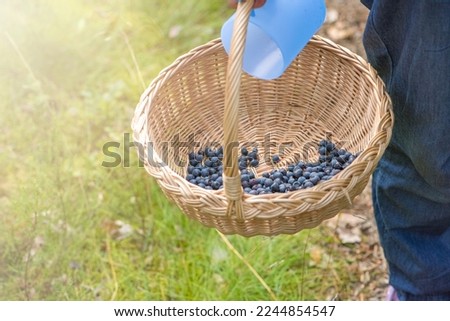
[205, 169]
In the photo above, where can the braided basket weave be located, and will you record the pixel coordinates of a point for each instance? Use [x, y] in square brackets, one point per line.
[204, 97]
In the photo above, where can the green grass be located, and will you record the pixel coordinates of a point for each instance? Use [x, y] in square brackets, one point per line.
[68, 85]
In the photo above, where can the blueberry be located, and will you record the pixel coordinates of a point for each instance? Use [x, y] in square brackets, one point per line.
[335, 172]
[193, 162]
[323, 150]
[245, 184]
[298, 173]
[334, 162]
[291, 180]
[282, 188]
[193, 181]
[277, 174]
[306, 174]
[199, 158]
[275, 187]
[190, 169]
[301, 180]
[202, 185]
[219, 180]
[268, 182]
[196, 172]
[190, 177]
[244, 151]
[291, 168]
[252, 192]
[243, 159]
[254, 163]
[245, 178]
[340, 159]
[215, 159]
[308, 184]
[337, 165]
[314, 180]
[295, 186]
[330, 146]
[210, 153]
[277, 181]
[242, 165]
[266, 175]
[208, 163]
[276, 159]
[253, 155]
[205, 172]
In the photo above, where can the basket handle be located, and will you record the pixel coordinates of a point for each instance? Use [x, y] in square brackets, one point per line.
[232, 178]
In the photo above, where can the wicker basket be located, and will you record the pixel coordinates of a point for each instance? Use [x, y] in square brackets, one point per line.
[327, 90]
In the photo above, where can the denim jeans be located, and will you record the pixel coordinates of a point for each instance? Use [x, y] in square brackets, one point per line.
[408, 43]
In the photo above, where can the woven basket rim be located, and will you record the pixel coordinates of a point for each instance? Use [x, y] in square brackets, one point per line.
[341, 184]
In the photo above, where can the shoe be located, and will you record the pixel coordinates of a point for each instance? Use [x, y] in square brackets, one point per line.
[391, 294]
